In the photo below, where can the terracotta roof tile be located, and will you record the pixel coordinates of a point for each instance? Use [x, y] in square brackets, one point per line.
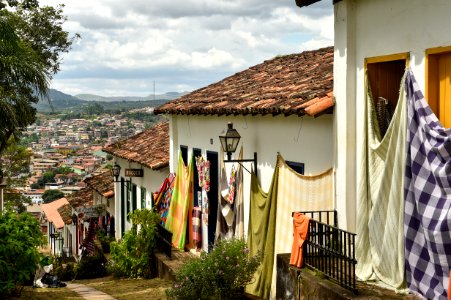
[65, 212]
[277, 86]
[51, 212]
[82, 197]
[149, 148]
[102, 183]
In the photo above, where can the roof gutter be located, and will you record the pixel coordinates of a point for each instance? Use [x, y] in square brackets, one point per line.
[302, 3]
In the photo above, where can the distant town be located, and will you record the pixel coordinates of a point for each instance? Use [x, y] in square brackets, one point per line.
[65, 151]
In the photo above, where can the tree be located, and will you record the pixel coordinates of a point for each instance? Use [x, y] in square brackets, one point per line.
[132, 256]
[16, 161]
[31, 42]
[22, 75]
[63, 170]
[19, 255]
[52, 195]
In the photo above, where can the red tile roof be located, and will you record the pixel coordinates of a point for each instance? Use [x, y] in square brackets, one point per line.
[149, 148]
[102, 183]
[51, 212]
[65, 212]
[289, 84]
[82, 197]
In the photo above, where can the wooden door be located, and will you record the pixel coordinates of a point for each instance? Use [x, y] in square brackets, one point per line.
[444, 72]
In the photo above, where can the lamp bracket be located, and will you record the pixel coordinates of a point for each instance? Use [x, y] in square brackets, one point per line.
[240, 161]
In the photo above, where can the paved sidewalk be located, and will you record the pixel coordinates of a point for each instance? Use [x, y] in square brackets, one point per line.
[89, 293]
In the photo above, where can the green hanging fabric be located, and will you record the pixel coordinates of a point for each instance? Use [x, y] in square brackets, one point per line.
[181, 203]
[261, 233]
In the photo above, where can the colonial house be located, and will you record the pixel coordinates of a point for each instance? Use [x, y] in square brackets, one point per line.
[283, 105]
[401, 236]
[282, 110]
[80, 202]
[55, 225]
[102, 186]
[142, 163]
[86, 206]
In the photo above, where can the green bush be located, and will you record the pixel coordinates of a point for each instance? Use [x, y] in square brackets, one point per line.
[104, 239]
[133, 255]
[91, 267]
[221, 274]
[65, 273]
[19, 256]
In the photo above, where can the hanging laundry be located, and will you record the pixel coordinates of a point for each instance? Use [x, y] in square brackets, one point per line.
[427, 186]
[225, 228]
[203, 171]
[297, 192]
[300, 231]
[380, 236]
[197, 228]
[238, 225]
[180, 210]
[261, 232]
[232, 185]
[163, 198]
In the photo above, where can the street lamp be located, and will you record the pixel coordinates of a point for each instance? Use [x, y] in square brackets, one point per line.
[229, 143]
[116, 170]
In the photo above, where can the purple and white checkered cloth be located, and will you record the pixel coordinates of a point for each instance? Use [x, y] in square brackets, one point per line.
[427, 190]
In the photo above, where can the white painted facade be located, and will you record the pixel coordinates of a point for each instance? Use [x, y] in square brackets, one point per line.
[151, 182]
[364, 29]
[304, 139]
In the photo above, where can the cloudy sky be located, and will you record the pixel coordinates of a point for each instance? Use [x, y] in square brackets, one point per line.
[181, 45]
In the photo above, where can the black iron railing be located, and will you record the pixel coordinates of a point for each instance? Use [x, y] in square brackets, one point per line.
[330, 250]
[164, 240]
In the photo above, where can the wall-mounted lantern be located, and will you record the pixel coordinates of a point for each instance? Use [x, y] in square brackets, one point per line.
[116, 170]
[229, 144]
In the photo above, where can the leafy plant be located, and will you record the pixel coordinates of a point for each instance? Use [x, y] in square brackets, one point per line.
[91, 267]
[221, 274]
[104, 239]
[65, 273]
[133, 255]
[19, 256]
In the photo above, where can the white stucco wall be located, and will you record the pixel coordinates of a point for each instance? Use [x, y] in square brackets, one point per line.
[365, 28]
[307, 140]
[151, 181]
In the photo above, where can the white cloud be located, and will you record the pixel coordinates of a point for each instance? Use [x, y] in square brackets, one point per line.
[181, 44]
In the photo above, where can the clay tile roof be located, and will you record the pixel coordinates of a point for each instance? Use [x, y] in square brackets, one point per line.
[149, 148]
[82, 197]
[65, 212]
[102, 183]
[51, 212]
[287, 85]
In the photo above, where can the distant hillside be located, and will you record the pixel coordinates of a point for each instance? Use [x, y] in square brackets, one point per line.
[66, 103]
[166, 96]
[60, 101]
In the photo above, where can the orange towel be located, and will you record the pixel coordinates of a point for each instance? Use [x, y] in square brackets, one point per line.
[300, 232]
[449, 286]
